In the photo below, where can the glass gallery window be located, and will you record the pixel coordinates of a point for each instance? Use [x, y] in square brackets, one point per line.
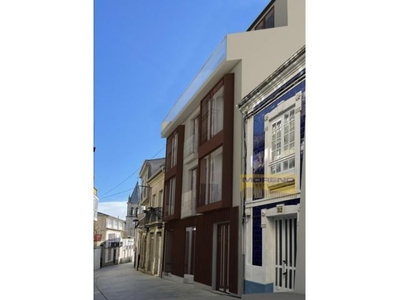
[282, 142]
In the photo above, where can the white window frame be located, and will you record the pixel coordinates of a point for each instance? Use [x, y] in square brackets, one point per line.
[286, 157]
[269, 119]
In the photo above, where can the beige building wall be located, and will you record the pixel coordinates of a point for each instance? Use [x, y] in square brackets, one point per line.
[156, 184]
[155, 234]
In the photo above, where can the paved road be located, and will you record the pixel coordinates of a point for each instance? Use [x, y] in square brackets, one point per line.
[123, 282]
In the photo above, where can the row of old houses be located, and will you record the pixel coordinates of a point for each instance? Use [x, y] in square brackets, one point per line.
[224, 209]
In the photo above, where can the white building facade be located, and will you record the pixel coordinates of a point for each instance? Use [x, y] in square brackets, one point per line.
[274, 116]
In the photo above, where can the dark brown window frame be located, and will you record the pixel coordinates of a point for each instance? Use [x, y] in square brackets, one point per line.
[206, 183]
[205, 112]
[174, 171]
[168, 199]
[223, 138]
[171, 161]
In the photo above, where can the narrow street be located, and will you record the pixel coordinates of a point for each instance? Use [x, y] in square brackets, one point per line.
[123, 282]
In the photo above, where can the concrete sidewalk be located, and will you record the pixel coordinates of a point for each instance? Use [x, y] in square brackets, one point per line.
[123, 282]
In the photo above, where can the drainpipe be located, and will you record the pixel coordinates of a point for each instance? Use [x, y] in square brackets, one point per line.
[243, 207]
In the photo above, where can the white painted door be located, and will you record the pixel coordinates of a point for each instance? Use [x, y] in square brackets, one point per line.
[285, 253]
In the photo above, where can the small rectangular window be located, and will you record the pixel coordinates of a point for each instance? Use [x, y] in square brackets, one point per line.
[268, 21]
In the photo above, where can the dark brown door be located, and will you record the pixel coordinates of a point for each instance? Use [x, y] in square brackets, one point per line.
[114, 256]
[190, 250]
[223, 258]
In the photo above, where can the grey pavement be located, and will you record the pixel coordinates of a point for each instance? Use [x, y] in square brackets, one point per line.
[123, 282]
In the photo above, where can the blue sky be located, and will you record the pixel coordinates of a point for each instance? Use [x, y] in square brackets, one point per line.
[145, 54]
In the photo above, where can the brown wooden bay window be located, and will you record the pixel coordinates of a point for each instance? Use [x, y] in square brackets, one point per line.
[216, 147]
[212, 113]
[172, 151]
[173, 174]
[170, 188]
[211, 178]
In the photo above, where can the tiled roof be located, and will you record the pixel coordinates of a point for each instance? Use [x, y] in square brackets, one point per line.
[155, 165]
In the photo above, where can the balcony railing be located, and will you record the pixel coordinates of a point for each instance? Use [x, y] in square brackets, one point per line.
[216, 58]
[153, 215]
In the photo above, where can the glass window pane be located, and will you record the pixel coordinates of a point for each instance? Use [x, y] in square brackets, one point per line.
[270, 19]
[278, 168]
[291, 163]
[292, 136]
[286, 128]
[273, 169]
[285, 165]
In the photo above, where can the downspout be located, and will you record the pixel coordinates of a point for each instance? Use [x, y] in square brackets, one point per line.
[243, 184]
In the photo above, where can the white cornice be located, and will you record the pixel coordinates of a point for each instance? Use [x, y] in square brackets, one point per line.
[282, 75]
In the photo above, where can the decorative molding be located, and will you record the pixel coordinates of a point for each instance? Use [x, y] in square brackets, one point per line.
[282, 75]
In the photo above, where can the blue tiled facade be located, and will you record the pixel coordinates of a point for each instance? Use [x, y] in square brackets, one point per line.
[292, 87]
[258, 125]
[257, 288]
[257, 237]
